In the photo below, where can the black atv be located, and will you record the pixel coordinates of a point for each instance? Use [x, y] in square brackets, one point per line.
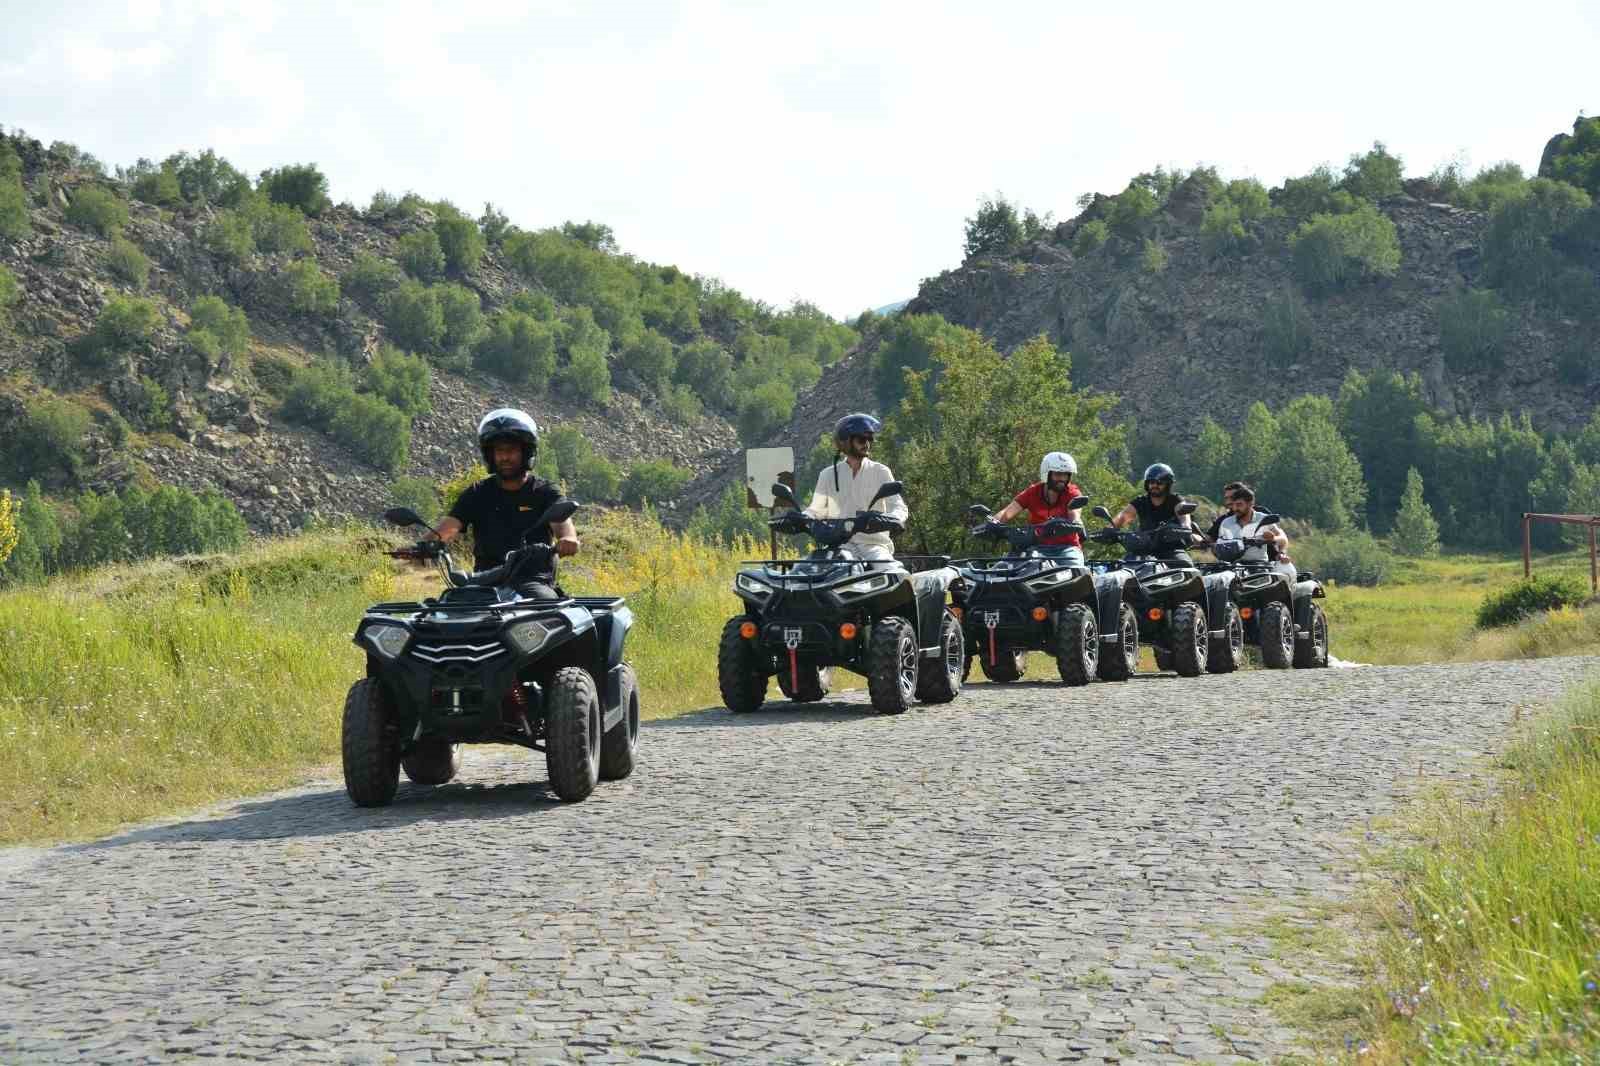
[876, 618]
[1160, 586]
[488, 663]
[1027, 600]
[1253, 602]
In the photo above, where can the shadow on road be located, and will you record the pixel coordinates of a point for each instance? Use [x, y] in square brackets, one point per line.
[782, 712]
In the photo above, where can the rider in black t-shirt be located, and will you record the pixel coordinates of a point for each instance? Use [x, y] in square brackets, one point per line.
[1158, 504]
[506, 504]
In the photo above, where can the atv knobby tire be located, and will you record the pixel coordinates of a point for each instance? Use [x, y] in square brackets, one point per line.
[815, 683]
[1277, 637]
[1227, 650]
[892, 660]
[743, 687]
[939, 680]
[368, 744]
[1118, 661]
[572, 729]
[1312, 652]
[1008, 666]
[621, 742]
[1077, 645]
[432, 762]
[1190, 640]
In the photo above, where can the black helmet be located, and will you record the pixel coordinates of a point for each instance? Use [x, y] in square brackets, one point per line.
[508, 423]
[1158, 472]
[856, 425]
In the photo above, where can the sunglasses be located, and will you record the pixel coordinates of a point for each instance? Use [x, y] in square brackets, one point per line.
[859, 439]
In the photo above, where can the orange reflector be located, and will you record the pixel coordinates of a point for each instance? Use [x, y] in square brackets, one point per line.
[1154, 614]
[958, 612]
[748, 631]
[1040, 614]
[1247, 613]
[848, 631]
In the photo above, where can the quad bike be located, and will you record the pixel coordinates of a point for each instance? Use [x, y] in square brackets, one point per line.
[1160, 586]
[1028, 600]
[492, 660]
[802, 617]
[1254, 603]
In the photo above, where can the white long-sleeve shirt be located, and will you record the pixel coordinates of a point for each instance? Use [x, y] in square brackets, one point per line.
[854, 493]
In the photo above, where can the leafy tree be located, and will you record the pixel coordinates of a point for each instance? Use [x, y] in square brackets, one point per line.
[706, 368]
[1316, 193]
[1154, 258]
[1375, 175]
[1332, 251]
[421, 254]
[207, 178]
[587, 375]
[1491, 187]
[126, 261]
[301, 186]
[126, 323]
[1415, 531]
[412, 315]
[1131, 210]
[680, 404]
[764, 409]
[1222, 230]
[519, 348]
[995, 230]
[97, 210]
[370, 278]
[307, 290]
[650, 359]
[152, 406]
[1090, 236]
[593, 235]
[494, 225]
[1287, 331]
[8, 526]
[728, 521]
[462, 312]
[1517, 252]
[400, 378]
[908, 342]
[653, 480]
[1249, 197]
[568, 447]
[228, 325]
[10, 294]
[1314, 475]
[459, 239]
[1378, 417]
[1256, 449]
[230, 236]
[1473, 326]
[374, 429]
[157, 185]
[38, 539]
[50, 443]
[1211, 459]
[14, 224]
[277, 227]
[1576, 159]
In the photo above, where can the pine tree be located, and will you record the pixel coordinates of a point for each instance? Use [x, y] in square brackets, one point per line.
[1415, 531]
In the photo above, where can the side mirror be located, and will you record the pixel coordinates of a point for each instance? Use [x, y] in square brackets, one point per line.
[1076, 502]
[889, 488]
[783, 492]
[559, 511]
[978, 510]
[402, 516]
[1101, 513]
[1185, 507]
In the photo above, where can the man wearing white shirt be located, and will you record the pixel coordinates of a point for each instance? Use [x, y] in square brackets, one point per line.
[1245, 521]
[849, 483]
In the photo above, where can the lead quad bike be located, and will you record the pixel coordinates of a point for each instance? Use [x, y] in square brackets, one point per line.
[1030, 599]
[491, 660]
[1159, 585]
[803, 617]
[1255, 603]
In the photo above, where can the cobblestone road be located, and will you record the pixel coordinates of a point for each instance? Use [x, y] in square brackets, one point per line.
[1031, 874]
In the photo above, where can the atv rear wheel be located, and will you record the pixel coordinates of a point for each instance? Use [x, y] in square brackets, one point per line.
[1277, 637]
[368, 744]
[939, 680]
[1122, 659]
[621, 742]
[1227, 651]
[815, 683]
[1313, 651]
[1190, 641]
[572, 727]
[1008, 666]
[743, 687]
[432, 762]
[1077, 645]
[892, 656]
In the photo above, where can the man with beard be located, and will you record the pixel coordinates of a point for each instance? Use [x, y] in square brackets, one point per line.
[504, 506]
[1158, 504]
[848, 485]
[1047, 498]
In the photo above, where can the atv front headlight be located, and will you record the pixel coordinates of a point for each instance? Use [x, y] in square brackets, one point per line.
[1162, 581]
[388, 640]
[875, 583]
[748, 584]
[528, 636]
[1050, 579]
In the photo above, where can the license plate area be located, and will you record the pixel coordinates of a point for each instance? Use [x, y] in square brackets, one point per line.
[456, 701]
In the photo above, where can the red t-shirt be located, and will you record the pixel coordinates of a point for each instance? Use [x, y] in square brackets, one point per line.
[1031, 499]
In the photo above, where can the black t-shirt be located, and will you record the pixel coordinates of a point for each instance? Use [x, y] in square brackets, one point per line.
[1151, 516]
[499, 518]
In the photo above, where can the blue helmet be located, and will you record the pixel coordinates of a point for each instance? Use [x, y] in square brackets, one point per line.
[855, 425]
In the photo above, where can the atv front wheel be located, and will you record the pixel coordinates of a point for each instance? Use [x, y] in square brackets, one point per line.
[1313, 651]
[815, 683]
[1008, 665]
[1190, 641]
[1277, 637]
[1122, 659]
[892, 665]
[621, 742]
[939, 680]
[1077, 645]
[432, 762]
[368, 745]
[743, 687]
[1227, 651]
[572, 725]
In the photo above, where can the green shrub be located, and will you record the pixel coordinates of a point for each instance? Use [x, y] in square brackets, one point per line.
[126, 261]
[399, 378]
[595, 478]
[370, 278]
[1249, 197]
[494, 224]
[417, 493]
[153, 408]
[1348, 558]
[124, 324]
[568, 447]
[230, 327]
[1576, 159]
[1313, 194]
[1415, 532]
[650, 359]
[587, 375]
[97, 210]
[1222, 230]
[229, 235]
[307, 290]
[14, 223]
[1517, 253]
[413, 318]
[519, 348]
[462, 313]
[1473, 326]
[995, 230]
[1332, 251]
[459, 238]
[10, 294]
[763, 410]
[278, 228]
[728, 520]
[301, 186]
[1091, 235]
[1286, 329]
[1491, 187]
[706, 368]
[1154, 258]
[680, 404]
[1528, 598]
[50, 441]
[420, 254]
[1131, 209]
[373, 429]
[208, 178]
[1375, 175]
[654, 480]
[273, 373]
[142, 524]
[158, 185]
[316, 392]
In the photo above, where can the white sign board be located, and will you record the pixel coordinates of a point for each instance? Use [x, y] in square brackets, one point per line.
[762, 466]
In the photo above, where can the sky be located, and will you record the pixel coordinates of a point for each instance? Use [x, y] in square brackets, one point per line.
[828, 152]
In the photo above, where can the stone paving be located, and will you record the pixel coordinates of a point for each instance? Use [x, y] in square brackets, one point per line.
[1031, 874]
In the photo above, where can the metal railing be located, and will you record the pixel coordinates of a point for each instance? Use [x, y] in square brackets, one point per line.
[1588, 520]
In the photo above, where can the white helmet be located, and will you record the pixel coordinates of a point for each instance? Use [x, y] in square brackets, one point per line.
[1057, 463]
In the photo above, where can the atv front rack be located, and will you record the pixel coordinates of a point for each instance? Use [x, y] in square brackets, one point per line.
[913, 564]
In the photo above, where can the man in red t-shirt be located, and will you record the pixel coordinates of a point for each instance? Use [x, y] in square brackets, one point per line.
[1047, 498]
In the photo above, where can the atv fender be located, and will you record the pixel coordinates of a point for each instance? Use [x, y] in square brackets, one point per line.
[929, 587]
[614, 710]
[1304, 593]
[1219, 590]
[1110, 591]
